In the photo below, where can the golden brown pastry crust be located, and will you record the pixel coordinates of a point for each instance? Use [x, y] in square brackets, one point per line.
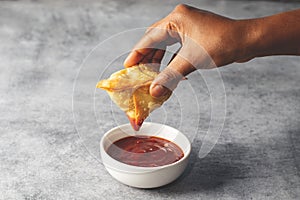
[129, 89]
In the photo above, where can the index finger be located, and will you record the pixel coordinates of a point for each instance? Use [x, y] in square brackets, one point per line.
[153, 40]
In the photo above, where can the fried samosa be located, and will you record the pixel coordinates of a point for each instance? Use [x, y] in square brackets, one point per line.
[129, 89]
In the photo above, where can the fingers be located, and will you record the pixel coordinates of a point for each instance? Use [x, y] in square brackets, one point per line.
[166, 81]
[154, 56]
[169, 78]
[134, 57]
[158, 56]
[152, 45]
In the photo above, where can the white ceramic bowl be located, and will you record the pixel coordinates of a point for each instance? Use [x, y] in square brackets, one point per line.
[145, 177]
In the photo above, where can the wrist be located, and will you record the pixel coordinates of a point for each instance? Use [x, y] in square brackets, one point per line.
[250, 41]
[273, 35]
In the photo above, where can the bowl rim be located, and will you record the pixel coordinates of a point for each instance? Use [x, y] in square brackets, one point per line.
[138, 169]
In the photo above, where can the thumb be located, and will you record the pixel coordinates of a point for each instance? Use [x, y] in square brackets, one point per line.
[168, 79]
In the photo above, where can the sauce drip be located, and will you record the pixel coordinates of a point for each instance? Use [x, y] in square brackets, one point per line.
[145, 151]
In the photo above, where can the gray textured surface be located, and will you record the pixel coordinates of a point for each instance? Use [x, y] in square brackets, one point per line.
[41, 155]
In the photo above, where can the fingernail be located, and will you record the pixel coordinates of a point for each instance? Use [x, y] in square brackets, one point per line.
[158, 91]
[125, 62]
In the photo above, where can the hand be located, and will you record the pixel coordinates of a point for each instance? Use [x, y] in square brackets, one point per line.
[204, 37]
[209, 40]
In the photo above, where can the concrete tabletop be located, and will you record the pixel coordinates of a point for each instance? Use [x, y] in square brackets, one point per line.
[42, 156]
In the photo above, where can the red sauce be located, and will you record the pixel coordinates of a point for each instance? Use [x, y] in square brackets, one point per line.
[145, 151]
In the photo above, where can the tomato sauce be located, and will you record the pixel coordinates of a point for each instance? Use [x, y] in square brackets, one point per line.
[145, 151]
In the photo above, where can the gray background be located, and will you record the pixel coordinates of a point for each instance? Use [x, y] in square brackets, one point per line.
[42, 44]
